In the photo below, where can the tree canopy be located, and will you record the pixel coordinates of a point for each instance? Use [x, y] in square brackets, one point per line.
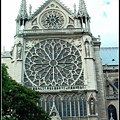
[19, 102]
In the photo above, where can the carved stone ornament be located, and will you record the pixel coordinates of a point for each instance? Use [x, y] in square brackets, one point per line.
[19, 51]
[30, 44]
[87, 49]
[76, 42]
[52, 19]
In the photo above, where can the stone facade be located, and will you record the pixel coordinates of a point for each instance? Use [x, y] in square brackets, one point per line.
[56, 54]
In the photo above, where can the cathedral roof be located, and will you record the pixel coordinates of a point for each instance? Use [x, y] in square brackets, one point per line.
[109, 55]
[6, 54]
[46, 3]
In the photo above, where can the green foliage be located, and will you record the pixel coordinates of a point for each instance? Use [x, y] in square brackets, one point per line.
[19, 102]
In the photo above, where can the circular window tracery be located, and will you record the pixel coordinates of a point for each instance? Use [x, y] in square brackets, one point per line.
[53, 63]
[52, 19]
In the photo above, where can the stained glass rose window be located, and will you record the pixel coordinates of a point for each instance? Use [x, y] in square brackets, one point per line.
[53, 63]
[52, 19]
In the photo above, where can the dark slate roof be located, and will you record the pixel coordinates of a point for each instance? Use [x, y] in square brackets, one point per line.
[109, 55]
[6, 54]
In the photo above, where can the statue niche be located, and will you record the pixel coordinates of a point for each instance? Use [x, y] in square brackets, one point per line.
[87, 49]
[92, 106]
[19, 51]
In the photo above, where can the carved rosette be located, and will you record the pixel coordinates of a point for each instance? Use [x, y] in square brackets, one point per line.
[52, 19]
[30, 44]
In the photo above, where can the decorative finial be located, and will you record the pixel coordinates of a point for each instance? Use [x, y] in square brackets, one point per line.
[82, 6]
[30, 9]
[75, 9]
[79, 4]
[3, 48]
[23, 10]
[99, 37]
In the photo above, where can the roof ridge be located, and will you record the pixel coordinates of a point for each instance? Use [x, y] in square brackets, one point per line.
[47, 2]
[108, 47]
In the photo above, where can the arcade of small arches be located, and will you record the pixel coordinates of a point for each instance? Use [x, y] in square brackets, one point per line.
[68, 105]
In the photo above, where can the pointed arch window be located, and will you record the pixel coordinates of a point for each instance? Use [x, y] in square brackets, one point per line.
[42, 103]
[112, 114]
[49, 103]
[74, 105]
[66, 106]
[83, 110]
[58, 104]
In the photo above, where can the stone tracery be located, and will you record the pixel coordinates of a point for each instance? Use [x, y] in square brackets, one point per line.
[52, 19]
[53, 61]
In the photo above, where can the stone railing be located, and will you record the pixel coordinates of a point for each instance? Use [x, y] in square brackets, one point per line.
[57, 88]
[38, 31]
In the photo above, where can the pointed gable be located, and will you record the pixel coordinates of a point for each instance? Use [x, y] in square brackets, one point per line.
[54, 113]
[52, 15]
[45, 6]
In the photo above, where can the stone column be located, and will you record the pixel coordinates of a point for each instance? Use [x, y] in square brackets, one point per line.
[70, 109]
[79, 107]
[62, 107]
[86, 23]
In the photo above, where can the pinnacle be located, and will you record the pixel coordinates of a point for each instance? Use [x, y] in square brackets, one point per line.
[23, 9]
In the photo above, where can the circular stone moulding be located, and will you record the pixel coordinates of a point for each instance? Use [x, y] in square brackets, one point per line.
[57, 62]
[52, 19]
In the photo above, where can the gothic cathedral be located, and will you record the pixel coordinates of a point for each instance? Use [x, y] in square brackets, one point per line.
[56, 54]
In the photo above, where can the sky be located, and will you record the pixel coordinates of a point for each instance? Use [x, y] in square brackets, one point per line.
[104, 19]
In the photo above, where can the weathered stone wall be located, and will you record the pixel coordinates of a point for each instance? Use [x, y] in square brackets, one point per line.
[101, 99]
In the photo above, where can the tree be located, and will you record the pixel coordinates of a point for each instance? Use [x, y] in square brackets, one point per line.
[19, 102]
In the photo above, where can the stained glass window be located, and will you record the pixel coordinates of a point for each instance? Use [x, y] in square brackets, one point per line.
[53, 63]
[52, 19]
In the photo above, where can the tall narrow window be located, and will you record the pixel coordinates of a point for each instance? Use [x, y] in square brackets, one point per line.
[43, 104]
[68, 108]
[64, 108]
[58, 105]
[83, 111]
[74, 105]
[112, 114]
[49, 104]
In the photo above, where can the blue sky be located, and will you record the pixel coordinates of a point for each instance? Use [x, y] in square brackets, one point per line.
[103, 13]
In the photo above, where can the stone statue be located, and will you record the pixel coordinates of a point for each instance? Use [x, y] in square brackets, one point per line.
[111, 118]
[92, 106]
[87, 49]
[19, 51]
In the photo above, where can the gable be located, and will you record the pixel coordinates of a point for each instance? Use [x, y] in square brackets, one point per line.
[52, 14]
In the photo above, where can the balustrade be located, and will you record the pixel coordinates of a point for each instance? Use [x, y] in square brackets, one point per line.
[48, 88]
[69, 30]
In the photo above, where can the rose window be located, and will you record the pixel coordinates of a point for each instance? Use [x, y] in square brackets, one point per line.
[53, 63]
[52, 19]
